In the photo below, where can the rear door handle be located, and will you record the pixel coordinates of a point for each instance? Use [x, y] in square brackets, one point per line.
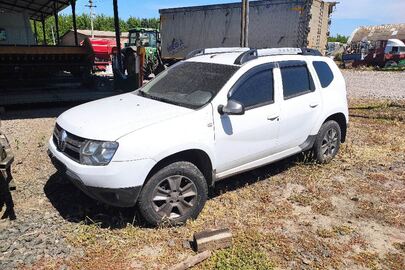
[313, 105]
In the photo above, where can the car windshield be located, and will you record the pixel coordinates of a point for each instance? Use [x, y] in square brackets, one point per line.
[189, 84]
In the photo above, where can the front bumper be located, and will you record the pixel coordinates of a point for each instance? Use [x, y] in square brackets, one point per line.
[118, 183]
[121, 197]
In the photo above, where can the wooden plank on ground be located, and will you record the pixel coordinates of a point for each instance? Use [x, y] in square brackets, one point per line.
[192, 261]
[212, 239]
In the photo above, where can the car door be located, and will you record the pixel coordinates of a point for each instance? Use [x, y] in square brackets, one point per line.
[300, 106]
[241, 139]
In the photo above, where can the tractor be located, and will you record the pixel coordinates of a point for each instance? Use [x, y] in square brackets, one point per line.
[148, 39]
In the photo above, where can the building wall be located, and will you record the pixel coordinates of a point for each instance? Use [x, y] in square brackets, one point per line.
[69, 39]
[17, 28]
[319, 25]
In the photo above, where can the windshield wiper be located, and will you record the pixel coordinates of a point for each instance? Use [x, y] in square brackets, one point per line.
[165, 100]
[147, 95]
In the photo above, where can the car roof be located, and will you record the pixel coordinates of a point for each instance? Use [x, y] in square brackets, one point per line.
[219, 58]
[232, 56]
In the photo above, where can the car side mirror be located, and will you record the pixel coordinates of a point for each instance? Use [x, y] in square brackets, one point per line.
[231, 108]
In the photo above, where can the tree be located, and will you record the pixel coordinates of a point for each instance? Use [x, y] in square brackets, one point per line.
[101, 22]
[339, 38]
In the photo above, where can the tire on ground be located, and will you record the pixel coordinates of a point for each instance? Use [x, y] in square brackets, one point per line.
[182, 168]
[319, 151]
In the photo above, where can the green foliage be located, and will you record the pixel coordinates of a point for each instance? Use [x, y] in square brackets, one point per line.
[101, 22]
[241, 258]
[338, 38]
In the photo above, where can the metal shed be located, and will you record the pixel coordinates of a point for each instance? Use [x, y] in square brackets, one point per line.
[39, 11]
[36, 9]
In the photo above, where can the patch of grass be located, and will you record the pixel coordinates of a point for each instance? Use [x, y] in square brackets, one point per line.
[367, 259]
[323, 207]
[393, 261]
[301, 199]
[382, 213]
[240, 258]
[400, 246]
[334, 231]
[379, 109]
[342, 230]
[325, 233]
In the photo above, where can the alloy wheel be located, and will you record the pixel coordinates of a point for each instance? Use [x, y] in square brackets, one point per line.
[330, 143]
[174, 196]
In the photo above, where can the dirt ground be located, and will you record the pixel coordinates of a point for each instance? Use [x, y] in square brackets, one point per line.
[349, 214]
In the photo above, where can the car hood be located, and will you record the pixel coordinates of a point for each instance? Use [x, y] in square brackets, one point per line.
[110, 118]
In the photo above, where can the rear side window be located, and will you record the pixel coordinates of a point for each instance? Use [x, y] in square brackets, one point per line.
[324, 72]
[255, 91]
[296, 81]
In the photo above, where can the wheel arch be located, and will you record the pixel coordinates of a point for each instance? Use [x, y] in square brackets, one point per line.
[197, 157]
[340, 118]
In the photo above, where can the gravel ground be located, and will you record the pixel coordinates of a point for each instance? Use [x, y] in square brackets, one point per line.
[375, 84]
[48, 207]
[38, 231]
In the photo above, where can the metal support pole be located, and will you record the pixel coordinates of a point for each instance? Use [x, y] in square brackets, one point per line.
[244, 35]
[247, 23]
[55, 13]
[117, 34]
[73, 4]
[43, 29]
[36, 32]
[91, 6]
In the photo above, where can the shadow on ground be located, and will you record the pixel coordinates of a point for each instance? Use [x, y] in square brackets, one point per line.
[74, 206]
[34, 111]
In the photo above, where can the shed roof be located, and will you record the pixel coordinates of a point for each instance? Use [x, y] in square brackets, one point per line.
[378, 32]
[107, 34]
[34, 8]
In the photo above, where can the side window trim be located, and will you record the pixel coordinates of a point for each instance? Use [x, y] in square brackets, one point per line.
[297, 63]
[248, 75]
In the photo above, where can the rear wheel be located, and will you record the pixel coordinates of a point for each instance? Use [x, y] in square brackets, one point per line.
[174, 194]
[327, 142]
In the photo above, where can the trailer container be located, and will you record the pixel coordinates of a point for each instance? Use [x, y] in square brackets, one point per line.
[272, 23]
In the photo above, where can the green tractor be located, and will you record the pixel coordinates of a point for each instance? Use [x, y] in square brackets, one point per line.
[149, 39]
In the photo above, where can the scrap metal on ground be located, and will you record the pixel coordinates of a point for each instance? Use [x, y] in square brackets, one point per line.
[381, 45]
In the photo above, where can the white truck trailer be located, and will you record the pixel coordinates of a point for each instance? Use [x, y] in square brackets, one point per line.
[272, 23]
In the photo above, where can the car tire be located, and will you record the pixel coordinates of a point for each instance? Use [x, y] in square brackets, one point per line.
[174, 194]
[327, 142]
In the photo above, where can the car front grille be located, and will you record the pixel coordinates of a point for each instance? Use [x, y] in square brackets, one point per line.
[67, 143]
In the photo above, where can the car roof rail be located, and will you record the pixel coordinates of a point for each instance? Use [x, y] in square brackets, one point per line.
[246, 57]
[200, 52]
[256, 53]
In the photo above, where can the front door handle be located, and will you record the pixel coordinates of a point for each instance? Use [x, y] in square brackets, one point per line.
[273, 117]
[313, 105]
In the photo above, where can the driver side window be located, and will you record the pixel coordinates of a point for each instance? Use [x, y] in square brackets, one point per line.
[255, 91]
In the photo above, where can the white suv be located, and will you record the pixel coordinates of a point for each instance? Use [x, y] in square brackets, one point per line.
[218, 113]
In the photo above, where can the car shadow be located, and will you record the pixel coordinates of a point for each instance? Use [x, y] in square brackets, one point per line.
[76, 207]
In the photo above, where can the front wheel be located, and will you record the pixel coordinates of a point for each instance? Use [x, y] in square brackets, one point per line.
[327, 142]
[174, 194]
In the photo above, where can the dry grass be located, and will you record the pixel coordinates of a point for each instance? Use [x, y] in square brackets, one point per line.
[290, 215]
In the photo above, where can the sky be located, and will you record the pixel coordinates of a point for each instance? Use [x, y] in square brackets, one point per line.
[349, 14]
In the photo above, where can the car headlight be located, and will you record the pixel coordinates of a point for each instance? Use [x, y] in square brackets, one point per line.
[97, 153]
